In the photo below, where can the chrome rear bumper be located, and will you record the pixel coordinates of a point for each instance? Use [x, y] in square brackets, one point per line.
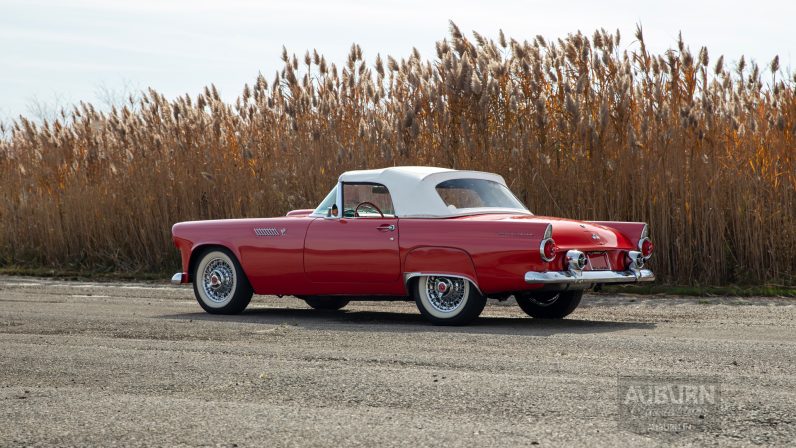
[177, 279]
[584, 277]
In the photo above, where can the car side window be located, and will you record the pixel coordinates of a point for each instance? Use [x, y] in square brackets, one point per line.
[366, 200]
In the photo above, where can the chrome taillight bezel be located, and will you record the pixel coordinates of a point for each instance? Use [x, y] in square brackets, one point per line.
[542, 251]
[547, 238]
[641, 247]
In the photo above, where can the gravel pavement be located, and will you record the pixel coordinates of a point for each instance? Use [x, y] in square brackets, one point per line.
[134, 364]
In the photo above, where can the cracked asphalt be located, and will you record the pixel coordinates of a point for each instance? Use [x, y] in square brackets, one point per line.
[136, 364]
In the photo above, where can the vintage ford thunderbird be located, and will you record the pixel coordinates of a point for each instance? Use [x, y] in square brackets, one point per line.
[447, 239]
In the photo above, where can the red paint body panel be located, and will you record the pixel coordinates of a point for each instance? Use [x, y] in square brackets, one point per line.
[502, 249]
[274, 263]
[305, 255]
[631, 230]
[352, 250]
[440, 260]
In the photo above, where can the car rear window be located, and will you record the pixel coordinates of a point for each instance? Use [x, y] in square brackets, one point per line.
[477, 193]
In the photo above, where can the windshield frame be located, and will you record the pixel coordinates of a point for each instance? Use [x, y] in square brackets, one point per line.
[322, 210]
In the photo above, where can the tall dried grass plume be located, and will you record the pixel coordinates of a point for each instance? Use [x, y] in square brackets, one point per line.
[579, 127]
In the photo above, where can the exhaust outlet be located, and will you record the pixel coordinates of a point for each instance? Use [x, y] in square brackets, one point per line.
[576, 260]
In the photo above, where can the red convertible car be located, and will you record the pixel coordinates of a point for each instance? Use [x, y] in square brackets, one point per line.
[447, 239]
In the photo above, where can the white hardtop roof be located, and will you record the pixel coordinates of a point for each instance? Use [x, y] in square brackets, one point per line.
[413, 189]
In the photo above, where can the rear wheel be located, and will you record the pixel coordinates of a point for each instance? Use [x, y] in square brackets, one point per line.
[219, 284]
[328, 303]
[448, 300]
[549, 305]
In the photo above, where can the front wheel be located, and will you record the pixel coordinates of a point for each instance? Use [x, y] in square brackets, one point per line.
[549, 305]
[219, 284]
[448, 300]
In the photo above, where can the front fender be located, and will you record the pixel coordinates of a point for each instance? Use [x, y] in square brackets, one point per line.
[189, 238]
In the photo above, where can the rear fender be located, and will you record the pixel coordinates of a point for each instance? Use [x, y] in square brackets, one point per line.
[431, 260]
[633, 231]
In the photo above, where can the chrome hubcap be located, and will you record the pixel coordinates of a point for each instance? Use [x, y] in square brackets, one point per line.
[445, 294]
[217, 280]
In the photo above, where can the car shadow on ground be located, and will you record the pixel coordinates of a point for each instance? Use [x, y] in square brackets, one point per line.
[385, 321]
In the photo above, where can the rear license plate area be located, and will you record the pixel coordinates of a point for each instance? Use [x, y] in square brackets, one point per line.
[599, 262]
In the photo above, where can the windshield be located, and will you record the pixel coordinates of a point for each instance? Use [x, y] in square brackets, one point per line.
[327, 203]
[477, 193]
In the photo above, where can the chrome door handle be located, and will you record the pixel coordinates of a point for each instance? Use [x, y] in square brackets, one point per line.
[386, 228]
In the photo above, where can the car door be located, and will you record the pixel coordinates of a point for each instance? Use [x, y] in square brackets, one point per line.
[361, 245]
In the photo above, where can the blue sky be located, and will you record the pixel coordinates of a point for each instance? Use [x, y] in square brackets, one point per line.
[57, 52]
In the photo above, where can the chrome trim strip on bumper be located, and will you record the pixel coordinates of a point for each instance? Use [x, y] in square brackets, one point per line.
[567, 277]
[176, 279]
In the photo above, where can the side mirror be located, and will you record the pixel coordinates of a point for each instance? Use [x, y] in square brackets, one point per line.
[330, 211]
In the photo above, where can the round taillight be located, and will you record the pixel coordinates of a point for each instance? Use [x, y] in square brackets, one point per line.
[646, 247]
[548, 249]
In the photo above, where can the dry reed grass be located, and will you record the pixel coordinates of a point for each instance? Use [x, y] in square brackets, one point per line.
[579, 128]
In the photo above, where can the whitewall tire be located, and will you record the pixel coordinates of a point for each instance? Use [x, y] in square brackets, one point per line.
[219, 284]
[448, 300]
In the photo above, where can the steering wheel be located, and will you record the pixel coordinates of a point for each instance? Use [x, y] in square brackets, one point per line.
[370, 204]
